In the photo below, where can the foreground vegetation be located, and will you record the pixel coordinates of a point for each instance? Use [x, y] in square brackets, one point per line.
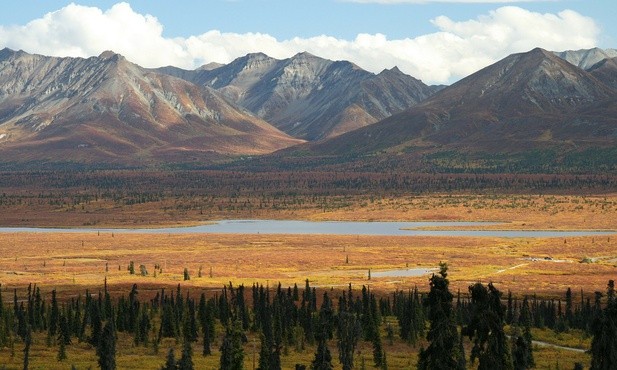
[282, 328]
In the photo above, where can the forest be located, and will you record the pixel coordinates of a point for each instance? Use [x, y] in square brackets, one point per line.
[265, 327]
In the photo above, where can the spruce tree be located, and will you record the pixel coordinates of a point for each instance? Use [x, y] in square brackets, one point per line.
[349, 332]
[64, 337]
[106, 350]
[61, 351]
[28, 342]
[522, 351]
[323, 357]
[604, 328]
[378, 353]
[170, 361]
[232, 353]
[186, 361]
[442, 352]
[207, 343]
[54, 315]
[95, 324]
[486, 328]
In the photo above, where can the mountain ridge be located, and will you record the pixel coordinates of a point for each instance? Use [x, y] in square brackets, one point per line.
[106, 109]
[310, 97]
[110, 108]
[527, 102]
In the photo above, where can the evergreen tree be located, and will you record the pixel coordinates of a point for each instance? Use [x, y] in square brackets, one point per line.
[106, 350]
[95, 324]
[54, 315]
[28, 342]
[264, 353]
[522, 351]
[326, 316]
[604, 344]
[462, 362]
[61, 351]
[486, 328]
[170, 362]
[378, 353]
[64, 334]
[186, 361]
[207, 343]
[64, 337]
[323, 358]
[232, 353]
[349, 332]
[442, 352]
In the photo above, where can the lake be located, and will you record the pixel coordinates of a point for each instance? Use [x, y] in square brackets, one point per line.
[330, 228]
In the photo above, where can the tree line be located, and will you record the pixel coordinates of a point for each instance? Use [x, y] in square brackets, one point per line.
[442, 323]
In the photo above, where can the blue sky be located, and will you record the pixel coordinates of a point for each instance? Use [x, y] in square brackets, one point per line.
[439, 42]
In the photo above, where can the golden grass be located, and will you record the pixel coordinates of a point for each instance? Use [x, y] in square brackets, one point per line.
[399, 355]
[531, 212]
[75, 261]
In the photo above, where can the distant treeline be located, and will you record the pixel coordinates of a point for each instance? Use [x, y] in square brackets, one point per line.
[113, 184]
[297, 318]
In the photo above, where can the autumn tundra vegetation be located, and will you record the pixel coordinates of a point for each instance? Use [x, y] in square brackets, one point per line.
[115, 300]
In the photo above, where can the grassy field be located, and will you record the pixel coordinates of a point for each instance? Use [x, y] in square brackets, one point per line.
[75, 261]
[82, 355]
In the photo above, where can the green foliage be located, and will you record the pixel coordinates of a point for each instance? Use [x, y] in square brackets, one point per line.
[349, 332]
[323, 357]
[232, 353]
[106, 350]
[186, 361]
[522, 351]
[490, 344]
[604, 344]
[170, 361]
[443, 351]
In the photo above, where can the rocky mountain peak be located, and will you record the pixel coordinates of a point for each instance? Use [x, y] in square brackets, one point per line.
[6, 53]
[111, 56]
[209, 66]
[586, 58]
[310, 97]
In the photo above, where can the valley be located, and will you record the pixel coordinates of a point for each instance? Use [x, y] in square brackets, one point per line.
[100, 144]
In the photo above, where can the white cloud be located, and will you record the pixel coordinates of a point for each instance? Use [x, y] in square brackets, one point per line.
[454, 51]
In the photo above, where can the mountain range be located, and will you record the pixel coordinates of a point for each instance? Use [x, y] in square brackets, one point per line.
[531, 111]
[309, 97]
[534, 111]
[107, 110]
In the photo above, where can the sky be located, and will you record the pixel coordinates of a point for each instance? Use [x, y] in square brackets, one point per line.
[437, 41]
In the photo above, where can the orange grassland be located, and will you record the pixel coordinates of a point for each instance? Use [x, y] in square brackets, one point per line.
[73, 261]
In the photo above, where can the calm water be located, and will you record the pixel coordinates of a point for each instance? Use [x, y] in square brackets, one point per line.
[330, 228]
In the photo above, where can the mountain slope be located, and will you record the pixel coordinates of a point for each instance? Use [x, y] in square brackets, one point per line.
[526, 102]
[586, 58]
[106, 109]
[310, 97]
[606, 71]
